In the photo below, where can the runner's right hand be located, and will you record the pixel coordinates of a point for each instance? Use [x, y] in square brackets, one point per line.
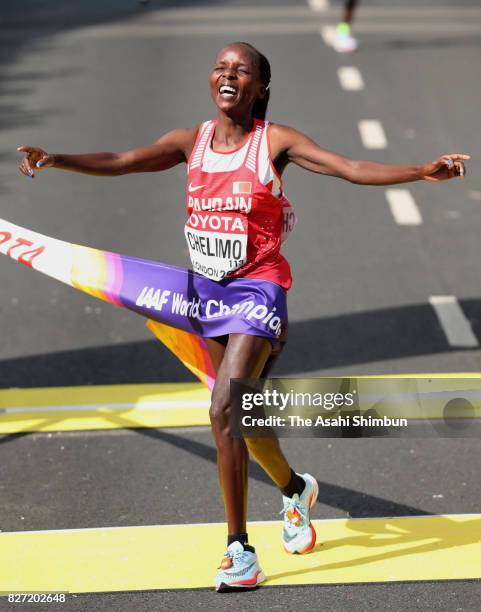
[34, 158]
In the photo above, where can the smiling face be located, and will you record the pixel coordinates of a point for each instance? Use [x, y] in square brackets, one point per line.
[235, 82]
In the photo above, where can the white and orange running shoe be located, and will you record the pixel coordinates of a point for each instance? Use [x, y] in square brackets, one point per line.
[239, 569]
[299, 535]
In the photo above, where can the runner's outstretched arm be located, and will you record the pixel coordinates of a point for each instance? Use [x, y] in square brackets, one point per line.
[290, 146]
[171, 149]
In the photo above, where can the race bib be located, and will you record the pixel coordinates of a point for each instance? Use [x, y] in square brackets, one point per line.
[217, 242]
[289, 219]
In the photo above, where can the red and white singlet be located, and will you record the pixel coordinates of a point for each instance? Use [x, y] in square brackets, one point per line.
[238, 215]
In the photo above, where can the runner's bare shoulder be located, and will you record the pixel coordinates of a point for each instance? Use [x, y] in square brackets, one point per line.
[280, 138]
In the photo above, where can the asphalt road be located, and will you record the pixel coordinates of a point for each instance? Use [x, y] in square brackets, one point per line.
[110, 76]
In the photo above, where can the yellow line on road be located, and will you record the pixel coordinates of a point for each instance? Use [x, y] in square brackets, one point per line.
[103, 407]
[186, 556]
[127, 406]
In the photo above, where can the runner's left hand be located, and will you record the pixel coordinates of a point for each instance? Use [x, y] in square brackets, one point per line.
[445, 167]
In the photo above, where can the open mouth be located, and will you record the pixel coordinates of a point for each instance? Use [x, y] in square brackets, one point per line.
[227, 92]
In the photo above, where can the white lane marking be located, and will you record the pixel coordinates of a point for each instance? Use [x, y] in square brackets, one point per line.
[328, 34]
[319, 6]
[453, 321]
[141, 30]
[143, 405]
[391, 15]
[472, 195]
[403, 207]
[350, 78]
[372, 134]
[406, 12]
[396, 27]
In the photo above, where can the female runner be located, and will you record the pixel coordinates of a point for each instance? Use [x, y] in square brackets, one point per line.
[236, 211]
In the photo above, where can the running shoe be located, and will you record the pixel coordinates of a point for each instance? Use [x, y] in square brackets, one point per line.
[299, 535]
[239, 569]
[344, 42]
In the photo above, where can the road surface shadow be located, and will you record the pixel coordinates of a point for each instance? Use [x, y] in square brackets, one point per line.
[316, 344]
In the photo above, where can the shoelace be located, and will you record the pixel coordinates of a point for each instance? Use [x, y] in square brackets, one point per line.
[294, 505]
[236, 556]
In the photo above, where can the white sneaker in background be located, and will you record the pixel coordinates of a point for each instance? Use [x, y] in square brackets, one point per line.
[344, 42]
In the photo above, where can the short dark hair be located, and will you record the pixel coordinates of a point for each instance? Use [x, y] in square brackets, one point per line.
[259, 109]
